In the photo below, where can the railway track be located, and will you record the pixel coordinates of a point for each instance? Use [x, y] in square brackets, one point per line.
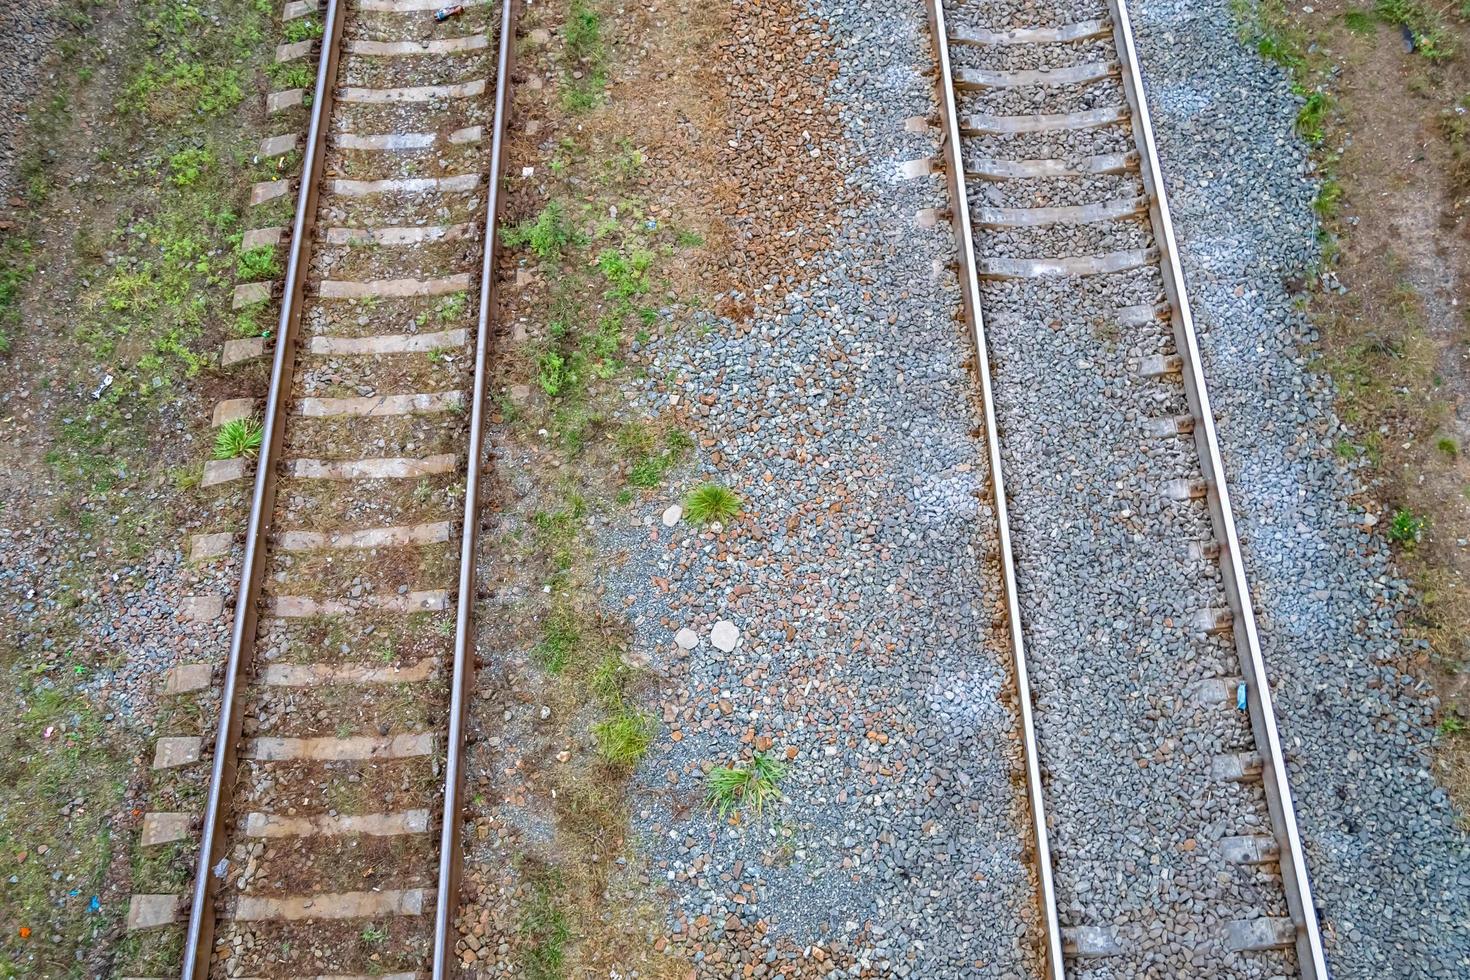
[1164, 835]
[330, 837]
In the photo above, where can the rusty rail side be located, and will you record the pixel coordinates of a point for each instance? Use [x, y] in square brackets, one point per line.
[447, 897]
[199, 940]
[1310, 955]
[1052, 946]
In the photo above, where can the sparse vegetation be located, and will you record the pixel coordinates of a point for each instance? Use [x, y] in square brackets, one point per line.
[751, 785]
[624, 738]
[1423, 21]
[1406, 528]
[581, 88]
[711, 502]
[544, 930]
[238, 437]
[258, 263]
[560, 637]
[547, 235]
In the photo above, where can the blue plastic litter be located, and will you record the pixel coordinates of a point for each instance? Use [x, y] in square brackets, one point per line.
[1240, 696]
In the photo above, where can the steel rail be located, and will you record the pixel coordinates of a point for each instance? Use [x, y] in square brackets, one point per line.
[1310, 955]
[447, 895]
[199, 940]
[970, 290]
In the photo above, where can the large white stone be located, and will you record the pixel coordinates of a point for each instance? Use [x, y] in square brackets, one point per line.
[724, 636]
[672, 515]
[687, 638]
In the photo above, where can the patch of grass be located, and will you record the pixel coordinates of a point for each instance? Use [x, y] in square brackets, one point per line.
[302, 29]
[544, 930]
[1406, 528]
[1329, 197]
[1425, 24]
[560, 637]
[582, 87]
[1311, 118]
[547, 235]
[258, 263]
[1452, 725]
[451, 307]
[711, 502]
[1454, 126]
[1360, 22]
[750, 785]
[238, 437]
[610, 680]
[15, 271]
[626, 274]
[559, 532]
[1447, 447]
[624, 738]
[652, 460]
[186, 166]
[291, 74]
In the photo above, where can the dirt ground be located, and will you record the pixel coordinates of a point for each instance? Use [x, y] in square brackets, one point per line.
[1393, 206]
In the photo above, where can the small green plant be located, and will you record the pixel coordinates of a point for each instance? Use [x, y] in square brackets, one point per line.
[624, 738]
[289, 75]
[1448, 447]
[1311, 118]
[1329, 195]
[752, 785]
[547, 235]
[303, 28]
[451, 307]
[1359, 22]
[374, 935]
[1452, 725]
[238, 437]
[256, 264]
[544, 931]
[187, 166]
[560, 638]
[1406, 528]
[610, 679]
[583, 30]
[711, 502]
[555, 373]
[626, 275]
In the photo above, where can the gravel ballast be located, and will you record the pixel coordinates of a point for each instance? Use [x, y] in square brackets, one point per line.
[1387, 861]
[27, 28]
[862, 583]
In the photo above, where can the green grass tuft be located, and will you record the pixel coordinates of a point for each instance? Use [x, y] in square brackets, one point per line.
[547, 235]
[560, 637]
[1407, 528]
[238, 437]
[711, 502]
[624, 738]
[751, 785]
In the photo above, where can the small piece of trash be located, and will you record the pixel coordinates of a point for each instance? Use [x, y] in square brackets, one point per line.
[220, 869]
[106, 383]
[528, 172]
[1240, 696]
[444, 13]
[95, 905]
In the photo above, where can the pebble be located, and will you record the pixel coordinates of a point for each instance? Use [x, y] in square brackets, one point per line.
[672, 515]
[725, 636]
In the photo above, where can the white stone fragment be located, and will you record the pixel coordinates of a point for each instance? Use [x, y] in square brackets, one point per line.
[672, 515]
[686, 638]
[724, 636]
